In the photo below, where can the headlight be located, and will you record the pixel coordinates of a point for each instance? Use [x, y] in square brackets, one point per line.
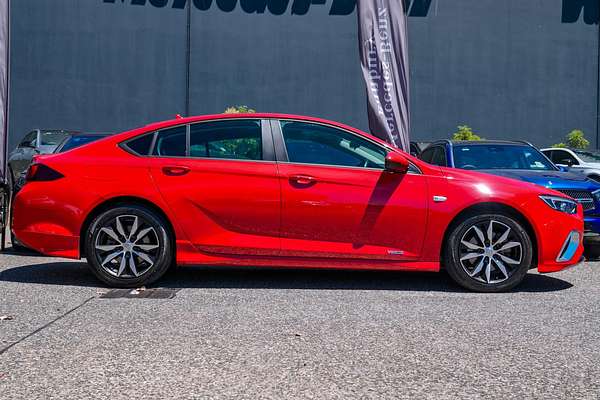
[561, 204]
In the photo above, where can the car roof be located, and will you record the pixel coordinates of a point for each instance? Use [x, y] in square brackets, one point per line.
[90, 133]
[58, 130]
[209, 117]
[496, 142]
[590, 151]
[480, 142]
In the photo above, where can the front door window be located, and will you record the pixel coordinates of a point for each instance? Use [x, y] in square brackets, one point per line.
[309, 143]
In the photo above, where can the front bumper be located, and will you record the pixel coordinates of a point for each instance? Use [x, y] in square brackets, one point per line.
[560, 240]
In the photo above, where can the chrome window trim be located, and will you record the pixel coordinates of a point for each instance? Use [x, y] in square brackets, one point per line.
[275, 124]
[208, 158]
[417, 172]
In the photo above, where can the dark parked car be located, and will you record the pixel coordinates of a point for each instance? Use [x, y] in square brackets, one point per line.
[38, 141]
[78, 139]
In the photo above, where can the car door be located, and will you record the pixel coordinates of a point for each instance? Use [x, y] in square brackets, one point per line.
[338, 201]
[220, 180]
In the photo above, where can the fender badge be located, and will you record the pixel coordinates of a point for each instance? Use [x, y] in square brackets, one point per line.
[439, 199]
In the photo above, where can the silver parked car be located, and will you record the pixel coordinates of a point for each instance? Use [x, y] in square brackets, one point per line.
[38, 141]
[586, 162]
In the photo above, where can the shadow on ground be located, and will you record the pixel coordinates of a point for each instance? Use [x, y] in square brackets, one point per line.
[78, 274]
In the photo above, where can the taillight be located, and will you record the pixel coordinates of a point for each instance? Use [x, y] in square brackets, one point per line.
[41, 172]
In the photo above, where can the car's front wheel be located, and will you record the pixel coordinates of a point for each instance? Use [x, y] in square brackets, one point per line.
[129, 246]
[488, 253]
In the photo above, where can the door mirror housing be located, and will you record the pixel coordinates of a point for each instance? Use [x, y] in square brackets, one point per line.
[396, 162]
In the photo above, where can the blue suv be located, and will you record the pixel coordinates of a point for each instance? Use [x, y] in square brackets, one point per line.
[522, 161]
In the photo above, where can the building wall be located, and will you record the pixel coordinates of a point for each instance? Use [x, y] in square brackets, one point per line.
[524, 69]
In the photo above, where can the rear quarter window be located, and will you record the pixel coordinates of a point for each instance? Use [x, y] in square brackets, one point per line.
[141, 145]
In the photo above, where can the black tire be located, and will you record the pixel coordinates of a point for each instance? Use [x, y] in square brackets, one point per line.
[156, 245]
[591, 250]
[16, 246]
[470, 270]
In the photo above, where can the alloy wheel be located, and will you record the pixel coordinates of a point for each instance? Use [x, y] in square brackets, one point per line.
[127, 246]
[490, 252]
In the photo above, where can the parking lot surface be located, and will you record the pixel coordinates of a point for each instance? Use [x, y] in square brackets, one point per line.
[252, 333]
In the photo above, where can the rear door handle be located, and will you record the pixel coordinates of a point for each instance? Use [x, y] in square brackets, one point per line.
[175, 170]
[302, 179]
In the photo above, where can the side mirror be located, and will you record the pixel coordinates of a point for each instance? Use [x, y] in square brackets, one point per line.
[567, 161]
[396, 162]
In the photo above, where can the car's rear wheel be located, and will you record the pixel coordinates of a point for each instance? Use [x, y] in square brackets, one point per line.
[488, 253]
[129, 246]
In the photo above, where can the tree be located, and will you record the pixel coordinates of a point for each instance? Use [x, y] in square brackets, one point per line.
[575, 140]
[465, 133]
[238, 110]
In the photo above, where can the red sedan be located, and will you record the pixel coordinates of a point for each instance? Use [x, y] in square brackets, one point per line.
[285, 191]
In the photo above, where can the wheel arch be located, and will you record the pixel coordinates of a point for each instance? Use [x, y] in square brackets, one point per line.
[122, 201]
[486, 208]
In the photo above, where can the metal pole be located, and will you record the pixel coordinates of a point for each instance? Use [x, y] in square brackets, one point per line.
[188, 58]
[7, 191]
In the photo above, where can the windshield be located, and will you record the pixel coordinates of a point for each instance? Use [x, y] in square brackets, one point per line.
[500, 156]
[588, 156]
[79, 140]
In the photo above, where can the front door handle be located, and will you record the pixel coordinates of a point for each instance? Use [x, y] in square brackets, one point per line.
[302, 179]
[175, 170]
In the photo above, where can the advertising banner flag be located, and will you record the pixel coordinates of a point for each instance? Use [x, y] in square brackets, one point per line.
[382, 34]
[4, 55]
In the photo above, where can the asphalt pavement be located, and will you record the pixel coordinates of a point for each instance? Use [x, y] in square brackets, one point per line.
[256, 333]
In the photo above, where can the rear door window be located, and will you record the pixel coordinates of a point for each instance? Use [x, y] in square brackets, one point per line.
[171, 142]
[231, 139]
